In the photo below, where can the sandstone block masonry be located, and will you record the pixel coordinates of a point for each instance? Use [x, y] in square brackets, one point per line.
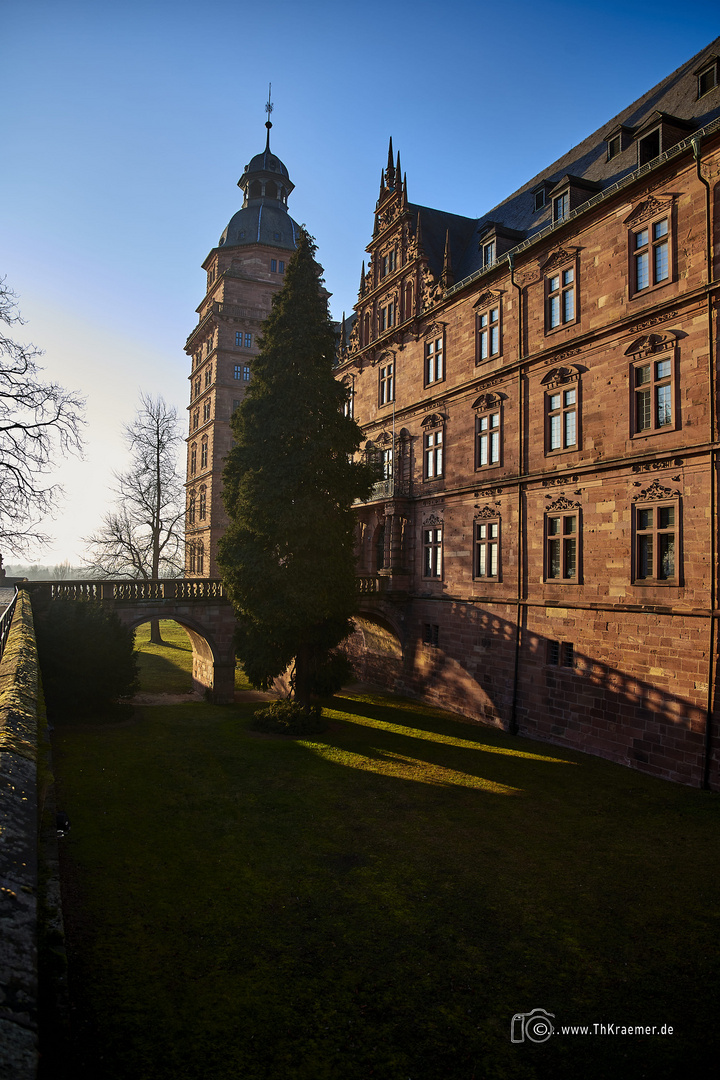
[18, 848]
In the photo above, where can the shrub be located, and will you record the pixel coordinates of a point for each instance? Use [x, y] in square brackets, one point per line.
[87, 657]
[288, 718]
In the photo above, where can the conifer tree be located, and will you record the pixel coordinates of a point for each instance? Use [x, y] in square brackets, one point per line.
[289, 482]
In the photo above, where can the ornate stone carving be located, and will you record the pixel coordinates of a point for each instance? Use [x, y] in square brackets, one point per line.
[486, 512]
[555, 481]
[655, 466]
[485, 299]
[433, 519]
[562, 503]
[559, 258]
[488, 401]
[655, 493]
[645, 323]
[650, 343]
[559, 375]
[647, 209]
[487, 493]
[433, 420]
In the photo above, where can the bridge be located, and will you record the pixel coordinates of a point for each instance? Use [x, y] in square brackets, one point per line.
[199, 605]
[202, 608]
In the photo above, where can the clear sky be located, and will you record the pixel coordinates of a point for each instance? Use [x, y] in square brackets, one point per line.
[126, 127]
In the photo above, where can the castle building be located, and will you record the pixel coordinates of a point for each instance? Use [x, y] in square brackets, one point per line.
[243, 272]
[538, 390]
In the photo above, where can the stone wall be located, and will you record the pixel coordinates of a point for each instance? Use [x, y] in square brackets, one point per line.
[18, 848]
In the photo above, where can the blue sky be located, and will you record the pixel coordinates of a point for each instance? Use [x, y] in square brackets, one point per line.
[127, 126]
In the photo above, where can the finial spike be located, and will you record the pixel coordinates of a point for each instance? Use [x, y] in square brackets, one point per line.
[447, 275]
[268, 110]
[362, 280]
[390, 171]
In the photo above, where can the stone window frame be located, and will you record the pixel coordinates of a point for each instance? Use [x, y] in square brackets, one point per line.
[204, 452]
[486, 305]
[562, 268]
[386, 380]
[248, 340]
[433, 447]
[484, 541]
[195, 423]
[432, 549]
[566, 540]
[654, 499]
[197, 384]
[486, 407]
[648, 216]
[191, 507]
[561, 381]
[208, 375]
[202, 503]
[193, 458]
[246, 372]
[387, 262]
[434, 347]
[238, 339]
[387, 314]
[237, 374]
[206, 410]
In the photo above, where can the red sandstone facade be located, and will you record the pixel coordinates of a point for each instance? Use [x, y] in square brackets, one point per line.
[538, 388]
[243, 273]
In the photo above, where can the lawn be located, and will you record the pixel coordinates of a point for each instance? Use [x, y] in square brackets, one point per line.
[378, 901]
[167, 668]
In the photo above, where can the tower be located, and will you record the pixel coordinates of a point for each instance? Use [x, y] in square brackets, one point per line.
[243, 271]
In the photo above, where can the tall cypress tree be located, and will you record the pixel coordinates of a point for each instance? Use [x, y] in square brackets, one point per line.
[289, 483]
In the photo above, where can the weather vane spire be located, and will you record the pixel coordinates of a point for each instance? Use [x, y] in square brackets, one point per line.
[268, 110]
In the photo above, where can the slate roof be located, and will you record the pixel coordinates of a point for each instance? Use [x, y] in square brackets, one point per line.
[676, 96]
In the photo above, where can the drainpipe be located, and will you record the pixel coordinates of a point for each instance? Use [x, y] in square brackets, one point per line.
[695, 143]
[516, 667]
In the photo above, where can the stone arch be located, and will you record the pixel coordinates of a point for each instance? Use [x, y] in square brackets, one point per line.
[375, 649]
[207, 656]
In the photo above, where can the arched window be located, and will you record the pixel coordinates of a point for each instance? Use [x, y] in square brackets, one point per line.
[192, 560]
[203, 503]
[191, 509]
[200, 559]
[255, 191]
[204, 454]
[271, 190]
[193, 459]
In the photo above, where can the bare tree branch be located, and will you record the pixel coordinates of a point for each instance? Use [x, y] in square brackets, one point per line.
[143, 537]
[39, 424]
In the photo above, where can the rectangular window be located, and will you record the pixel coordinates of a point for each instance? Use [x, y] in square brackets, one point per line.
[246, 373]
[387, 384]
[432, 553]
[386, 464]
[387, 316]
[431, 634]
[434, 371]
[487, 550]
[653, 392]
[206, 411]
[650, 255]
[433, 454]
[708, 79]
[656, 543]
[238, 371]
[488, 253]
[561, 431]
[210, 344]
[281, 267]
[208, 376]
[561, 206]
[273, 266]
[561, 547]
[553, 653]
[487, 427]
[204, 454]
[539, 199]
[195, 420]
[488, 334]
[238, 337]
[248, 341]
[560, 299]
[613, 147]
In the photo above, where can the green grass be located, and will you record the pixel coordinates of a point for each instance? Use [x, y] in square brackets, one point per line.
[378, 901]
[167, 668]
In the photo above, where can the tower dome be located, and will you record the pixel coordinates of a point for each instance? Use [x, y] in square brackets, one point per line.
[263, 219]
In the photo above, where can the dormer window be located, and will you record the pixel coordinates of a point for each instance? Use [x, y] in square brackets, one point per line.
[561, 206]
[707, 77]
[488, 253]
[658, 134]
[613, 147]
[649, 147]
[539, 199]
